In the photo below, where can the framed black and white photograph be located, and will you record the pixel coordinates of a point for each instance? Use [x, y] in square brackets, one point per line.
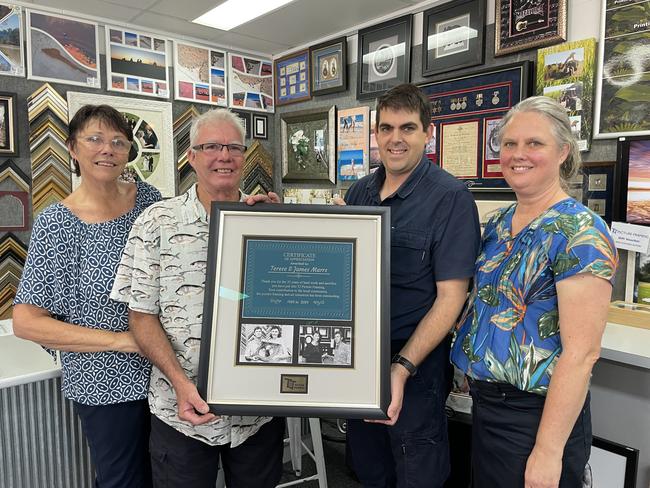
[384, 57]
[296, 301]
[453, 35]
[329, 66]
[8, 121]
[259, 126]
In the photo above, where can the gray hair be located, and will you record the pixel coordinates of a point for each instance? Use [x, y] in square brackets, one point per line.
[216, 116]
[560, 128]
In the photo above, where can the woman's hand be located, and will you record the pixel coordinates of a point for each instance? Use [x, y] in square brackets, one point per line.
[543, 469]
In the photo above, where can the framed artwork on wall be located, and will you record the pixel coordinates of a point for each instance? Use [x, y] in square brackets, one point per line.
[136, 62]
[634, 167]
[600, 189]
[8, 125]
[259, 125]
[12, 59]
[565, 73]
[384, 57]
[453, 35]
[309, 145]
[466, 111]
[621, 106]
[152, 156]
[199, 74]
[521, 25]
[353, 144]
[329, 66]
[246, 118]
[292, 80]
[62, 49]
[251, 83]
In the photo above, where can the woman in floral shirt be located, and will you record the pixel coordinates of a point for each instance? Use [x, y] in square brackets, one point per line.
[531, 332]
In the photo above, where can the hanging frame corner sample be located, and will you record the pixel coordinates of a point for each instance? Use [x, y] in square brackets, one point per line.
[62, 49]
[565, 73]
[384, 57]
[250, 83]
[286, 315]
[309, 145]
[8, 125]
[200, 74]
[292, 78]
[466, 112]
[329, 66]
[12, 58]
[520, 25]
[453, 36]
[136, 62]
[152, 156]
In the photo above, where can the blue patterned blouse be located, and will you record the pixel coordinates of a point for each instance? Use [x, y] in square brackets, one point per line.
[509, 332]
[69, 271]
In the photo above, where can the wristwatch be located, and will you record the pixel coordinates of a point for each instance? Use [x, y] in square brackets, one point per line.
[410, 367]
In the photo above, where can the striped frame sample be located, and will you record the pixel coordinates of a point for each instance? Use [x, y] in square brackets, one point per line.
[186, 175]
[13, 253]
[257, 174]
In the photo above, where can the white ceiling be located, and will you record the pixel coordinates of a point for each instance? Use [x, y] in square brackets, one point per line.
[297, 24]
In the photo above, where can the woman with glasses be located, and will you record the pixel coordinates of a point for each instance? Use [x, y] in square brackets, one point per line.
[63, 299]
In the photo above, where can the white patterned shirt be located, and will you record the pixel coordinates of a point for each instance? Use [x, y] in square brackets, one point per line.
[162, 272]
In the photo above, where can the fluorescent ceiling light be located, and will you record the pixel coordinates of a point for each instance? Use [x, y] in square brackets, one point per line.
[232, 13]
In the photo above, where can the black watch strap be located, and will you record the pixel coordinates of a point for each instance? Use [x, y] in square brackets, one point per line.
[410, 367]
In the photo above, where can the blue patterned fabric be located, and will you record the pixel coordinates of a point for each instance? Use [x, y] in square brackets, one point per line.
[69, 271]
[509, 332]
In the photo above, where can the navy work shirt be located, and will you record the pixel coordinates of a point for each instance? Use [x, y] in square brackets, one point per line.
[435, 236]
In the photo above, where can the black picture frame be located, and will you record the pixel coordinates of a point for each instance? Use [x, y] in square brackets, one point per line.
[453, 36]
[630, 455]
[266, 389]
[322, 57]
[600, 189]
[246, 118]
[259, 126]
[630, 150]
[8, 125]
[384, 57]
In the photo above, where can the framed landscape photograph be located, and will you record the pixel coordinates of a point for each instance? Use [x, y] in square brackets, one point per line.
[251, 83]
[453, 35]
[136, 62]
[12, 59]
[634, 166]
[292, 80]
[297, 301]
[200, 74]
[353, 144]
[384, 57]
[309, 145]
[329, 66]
[62, 49]
[521, 24]
[8, 125]
[152, 157]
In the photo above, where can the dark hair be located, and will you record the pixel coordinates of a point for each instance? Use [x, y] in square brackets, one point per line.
[406, 97]
[102, 113]
[276, 328]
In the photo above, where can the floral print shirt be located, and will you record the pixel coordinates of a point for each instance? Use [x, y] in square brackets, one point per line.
[509, 332]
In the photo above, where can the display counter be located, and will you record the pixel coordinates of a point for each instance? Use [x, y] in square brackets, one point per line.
[626, 344]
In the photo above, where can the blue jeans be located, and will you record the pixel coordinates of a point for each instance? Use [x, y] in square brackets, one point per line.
[415, 451]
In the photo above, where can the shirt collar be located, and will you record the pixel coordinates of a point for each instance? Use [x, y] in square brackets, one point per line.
[374, 185]
[196, 207]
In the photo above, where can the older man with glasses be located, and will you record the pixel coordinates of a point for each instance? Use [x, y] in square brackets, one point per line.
[161, 277]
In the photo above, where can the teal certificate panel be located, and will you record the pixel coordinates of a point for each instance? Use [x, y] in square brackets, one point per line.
[298, 279]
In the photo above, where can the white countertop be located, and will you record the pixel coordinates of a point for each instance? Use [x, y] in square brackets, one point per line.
[626, 344]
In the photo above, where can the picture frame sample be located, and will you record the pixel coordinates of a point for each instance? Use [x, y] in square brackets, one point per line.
[637, 288]
[152, 156]
[246, 118]
[8, 125]
[453, 36]
[353, 149]
[520, 25]
[620, 108]
[62, 49]
[384, 57]
[612, 464]
[200, 74]
[292, 78]
[308, 196]
[251, 83]
[260, 126]
[329, 66]
[12, 58]
[309, 145]
[136, 62]
[566, 73]
[600, 189]
[13, 211]
[307, 270]
[634, 167]
[466, 111]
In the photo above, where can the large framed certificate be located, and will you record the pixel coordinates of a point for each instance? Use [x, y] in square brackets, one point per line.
[296, 318]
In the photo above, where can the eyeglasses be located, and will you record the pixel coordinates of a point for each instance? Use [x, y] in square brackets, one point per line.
[118, 145]
[215, 147]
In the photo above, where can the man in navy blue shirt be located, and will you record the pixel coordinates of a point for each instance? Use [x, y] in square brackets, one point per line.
[434, 242]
